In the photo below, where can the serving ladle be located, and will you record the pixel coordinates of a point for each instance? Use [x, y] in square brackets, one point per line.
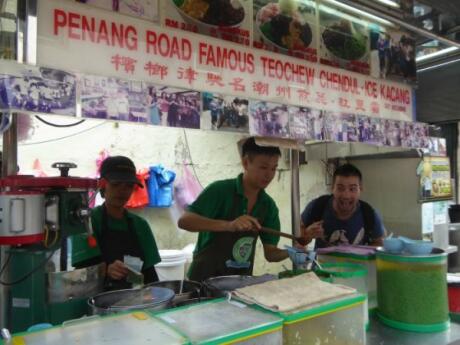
[301, 240]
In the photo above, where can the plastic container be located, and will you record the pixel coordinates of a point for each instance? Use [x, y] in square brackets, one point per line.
[172, 265]
[291, 273]
[225, 322]
[412, 291]
[366, 260]
[137, 328]
[353, 275]
[349, 274]
[337, 322]
[393, 245]
[419, 247]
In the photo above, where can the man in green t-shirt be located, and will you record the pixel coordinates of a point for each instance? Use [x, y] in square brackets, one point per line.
[228, 215]
[120, 233]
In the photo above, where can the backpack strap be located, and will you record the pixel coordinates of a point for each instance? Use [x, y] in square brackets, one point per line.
[318, 208]
[368, 220]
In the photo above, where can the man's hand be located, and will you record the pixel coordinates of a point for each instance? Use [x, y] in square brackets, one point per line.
[243, 223]
[297, 255]
[117, 270]
[314, 230]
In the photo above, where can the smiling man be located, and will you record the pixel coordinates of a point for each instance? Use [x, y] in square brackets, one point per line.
[228, 215]
[341, 218]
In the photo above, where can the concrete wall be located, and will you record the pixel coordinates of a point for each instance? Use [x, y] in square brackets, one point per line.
[213, 154]
[391, 186]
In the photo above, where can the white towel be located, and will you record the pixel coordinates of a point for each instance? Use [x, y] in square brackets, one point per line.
[292, 294]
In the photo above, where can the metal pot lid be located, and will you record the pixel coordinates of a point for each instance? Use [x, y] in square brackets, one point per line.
[230, 283]
[133, 298]
[178, 286]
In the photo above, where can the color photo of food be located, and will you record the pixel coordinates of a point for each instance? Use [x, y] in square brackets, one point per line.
[229, 20]
[145, 9]
[344, 40]
[214, 12]
[286, 26]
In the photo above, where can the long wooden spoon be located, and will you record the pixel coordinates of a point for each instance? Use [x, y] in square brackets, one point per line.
[301, 240]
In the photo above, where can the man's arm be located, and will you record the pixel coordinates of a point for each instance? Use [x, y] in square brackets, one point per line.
[195, 223]
[379, 231]
[273, 254]
[378, 242]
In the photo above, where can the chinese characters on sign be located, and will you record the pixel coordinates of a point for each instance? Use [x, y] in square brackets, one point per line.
[150, 70]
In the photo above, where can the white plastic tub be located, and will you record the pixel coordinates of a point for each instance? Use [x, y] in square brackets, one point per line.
[172, 265]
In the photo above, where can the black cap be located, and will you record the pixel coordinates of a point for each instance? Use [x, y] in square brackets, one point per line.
[250, 147]
[119, 169]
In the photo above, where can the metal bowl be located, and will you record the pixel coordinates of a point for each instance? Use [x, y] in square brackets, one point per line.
[184, 289]
[148, 298]
[221, 286]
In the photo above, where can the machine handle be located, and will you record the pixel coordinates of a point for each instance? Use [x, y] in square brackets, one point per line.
[85, 215]
[64, 167]
[17, 215]
[92, 242]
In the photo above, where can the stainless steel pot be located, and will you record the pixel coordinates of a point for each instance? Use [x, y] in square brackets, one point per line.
[221, 286]
[193, 301]
[148, 298]
[184, 289]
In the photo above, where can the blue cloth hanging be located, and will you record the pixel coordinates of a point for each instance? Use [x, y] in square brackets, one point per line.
[160, 185]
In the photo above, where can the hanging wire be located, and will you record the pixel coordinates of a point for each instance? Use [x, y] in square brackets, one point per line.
[191, 160]
[20, 280]
[59, 126]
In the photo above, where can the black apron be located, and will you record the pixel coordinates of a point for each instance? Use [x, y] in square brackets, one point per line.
[227, 249]
[115, 245]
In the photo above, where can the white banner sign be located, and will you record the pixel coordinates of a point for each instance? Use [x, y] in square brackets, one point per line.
[82, 39]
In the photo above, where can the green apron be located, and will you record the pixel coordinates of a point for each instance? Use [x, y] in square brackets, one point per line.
[229, 253]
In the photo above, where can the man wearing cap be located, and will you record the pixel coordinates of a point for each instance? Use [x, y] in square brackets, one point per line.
[228, 214]
[120, 233]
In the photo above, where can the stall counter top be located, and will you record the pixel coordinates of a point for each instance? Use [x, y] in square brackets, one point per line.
[379, 334]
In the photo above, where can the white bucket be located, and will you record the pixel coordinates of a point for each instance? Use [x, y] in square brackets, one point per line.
[171, 266]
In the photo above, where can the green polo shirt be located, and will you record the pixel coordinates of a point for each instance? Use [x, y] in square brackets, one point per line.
[217, 201]
[141, 228]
